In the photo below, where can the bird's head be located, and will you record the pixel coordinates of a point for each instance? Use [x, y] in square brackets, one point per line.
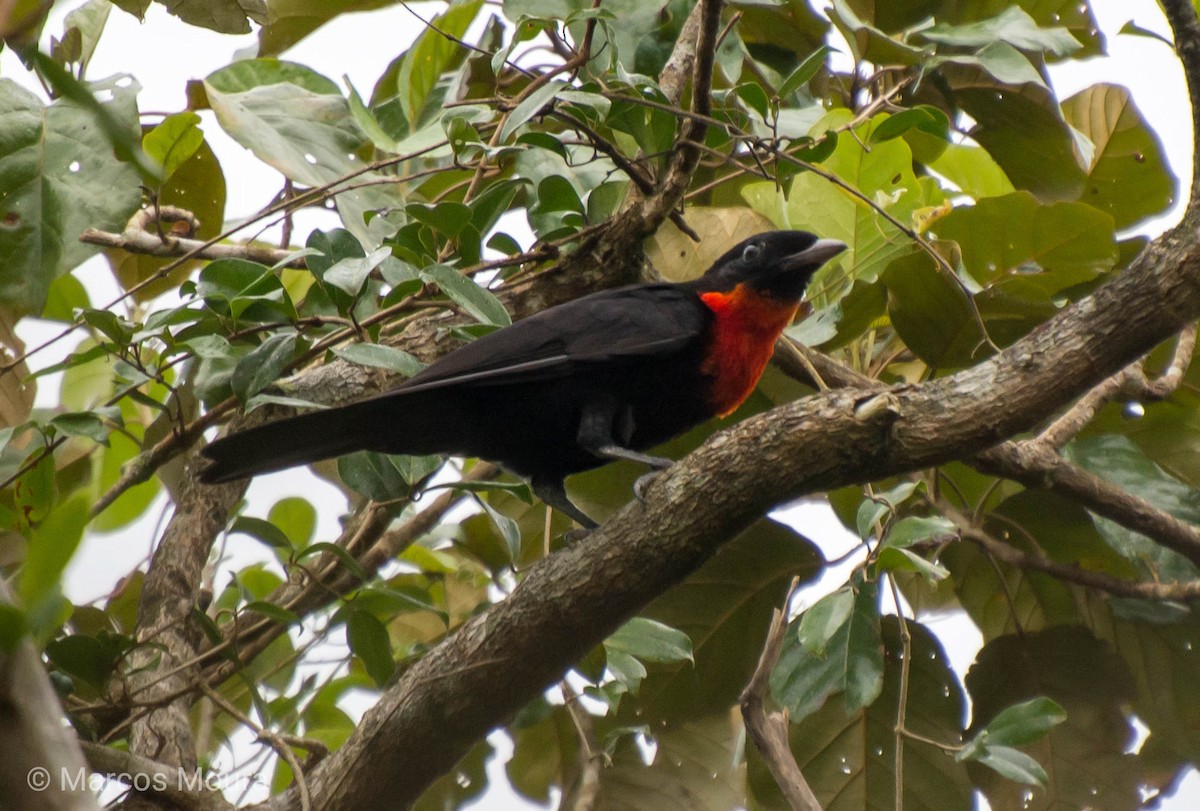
[775, 263]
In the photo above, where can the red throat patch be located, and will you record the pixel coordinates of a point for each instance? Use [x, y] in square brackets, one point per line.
[741, 342]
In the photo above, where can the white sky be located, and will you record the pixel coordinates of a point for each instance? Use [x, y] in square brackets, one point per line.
[163, 54]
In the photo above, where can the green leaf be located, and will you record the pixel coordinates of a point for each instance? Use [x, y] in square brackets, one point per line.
[724, 608]
[373, 475]
[922, 117]
[1128, 177]
[56, 148]
[1070, 243]
[369, 641]
[973, 170]
[650, 641]
[804, 72]
[913, 530]
[508, 528]
[263, 365]
[1086, 754]
[222, 16]
[1119, 461]
[432, 55]
[931, 313]
[870, 43]
[87, 22]
[1004, 62]
[530, 107]
[895, 559]
[1023, 130]
[852, 664]
[173, 141]
[83, 423]
[273, 612]
[819, 623]
[296, 518]
[381, 357]
[85, 657]
[1024, 723]
[244, 290]
[263, 531]
[51, 547]
[849, 757]
[349, 274]
[1013, 26]
[475, 300]
[297, 121]
[1014, 765]
[13, 627]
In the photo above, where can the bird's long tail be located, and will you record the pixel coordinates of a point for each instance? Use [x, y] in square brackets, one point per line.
[284, 443]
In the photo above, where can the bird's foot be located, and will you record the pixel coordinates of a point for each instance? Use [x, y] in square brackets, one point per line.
[575, 535]
[643, 483]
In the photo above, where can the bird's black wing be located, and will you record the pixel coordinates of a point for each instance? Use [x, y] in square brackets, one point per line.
[637, 321]
[428, 413]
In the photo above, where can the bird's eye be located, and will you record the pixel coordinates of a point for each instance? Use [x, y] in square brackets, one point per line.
[751, 252]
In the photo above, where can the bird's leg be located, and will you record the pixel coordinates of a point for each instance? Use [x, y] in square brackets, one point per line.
[553, 494]
[596, 429]
[596, 436]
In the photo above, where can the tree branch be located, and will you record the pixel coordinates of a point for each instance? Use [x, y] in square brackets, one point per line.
[769, 731]
[39, 748]
[164, 781]
[1069, 572]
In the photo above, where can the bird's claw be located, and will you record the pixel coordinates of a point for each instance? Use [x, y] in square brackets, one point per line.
[643, 483]
[575, 535]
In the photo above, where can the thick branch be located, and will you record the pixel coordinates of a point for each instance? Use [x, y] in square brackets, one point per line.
[1181, 14]
[185, 790]
[38, 748]
[572, 600]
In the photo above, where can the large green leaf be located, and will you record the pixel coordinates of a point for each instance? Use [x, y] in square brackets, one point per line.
[724, 608]
[849, 756]
[58, 177]
[407, 92]
[973, 170]
[296, 120]
[695, 768]
[1055, 246]
[1085, 755]
[1013, 26]
[1129, 176]
[289, 21]
[931, 313]
[545, 750]
[223, 16]
[1074, 15]
[1023, 130]
[1165, 662]
[1116, 459]
[883, 173]
[1001, 599]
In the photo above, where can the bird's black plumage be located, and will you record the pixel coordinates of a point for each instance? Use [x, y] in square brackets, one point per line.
[571, 388]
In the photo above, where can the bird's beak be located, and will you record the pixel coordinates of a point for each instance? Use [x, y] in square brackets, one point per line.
[814, 255]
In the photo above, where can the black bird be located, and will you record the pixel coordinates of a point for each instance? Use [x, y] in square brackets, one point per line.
[607, 376]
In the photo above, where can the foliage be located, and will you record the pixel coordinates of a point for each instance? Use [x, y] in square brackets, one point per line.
[975, 204]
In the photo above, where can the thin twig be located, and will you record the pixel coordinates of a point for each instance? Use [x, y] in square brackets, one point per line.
[769, 730]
